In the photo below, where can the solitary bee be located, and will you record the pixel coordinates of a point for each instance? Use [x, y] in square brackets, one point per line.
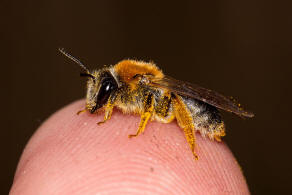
[141, 88]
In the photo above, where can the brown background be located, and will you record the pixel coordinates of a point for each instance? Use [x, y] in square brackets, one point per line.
[239, 48]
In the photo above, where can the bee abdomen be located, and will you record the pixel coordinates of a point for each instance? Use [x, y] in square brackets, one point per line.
[207, 119]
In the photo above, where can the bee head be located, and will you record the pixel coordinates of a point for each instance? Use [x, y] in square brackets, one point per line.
[100, 86]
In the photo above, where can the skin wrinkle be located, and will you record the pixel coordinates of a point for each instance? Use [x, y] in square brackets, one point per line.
[71, 154]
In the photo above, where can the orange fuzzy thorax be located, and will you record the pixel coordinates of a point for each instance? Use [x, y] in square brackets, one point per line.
[127, 69]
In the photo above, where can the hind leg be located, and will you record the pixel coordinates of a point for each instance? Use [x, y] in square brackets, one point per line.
[185, 121]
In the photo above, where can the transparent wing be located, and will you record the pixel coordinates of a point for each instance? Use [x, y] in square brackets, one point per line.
[194, 91]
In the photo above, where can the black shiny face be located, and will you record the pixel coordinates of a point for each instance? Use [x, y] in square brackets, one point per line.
[108, 86]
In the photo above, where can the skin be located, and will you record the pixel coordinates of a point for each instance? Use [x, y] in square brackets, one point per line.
[71, 154]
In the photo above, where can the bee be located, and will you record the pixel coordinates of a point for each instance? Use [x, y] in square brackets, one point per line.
[141, 88]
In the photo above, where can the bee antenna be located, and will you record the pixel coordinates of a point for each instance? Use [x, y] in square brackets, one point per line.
[62, 50]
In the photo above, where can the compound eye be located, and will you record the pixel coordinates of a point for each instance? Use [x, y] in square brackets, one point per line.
[104, 92]
[107, 87]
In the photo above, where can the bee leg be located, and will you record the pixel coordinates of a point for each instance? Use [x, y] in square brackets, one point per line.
[108, 113]
[163, 105]
[185, 121]
[190, 136]
[217, 133]
[148, 110]
[108, 110]
[81, 111]
[217, 138]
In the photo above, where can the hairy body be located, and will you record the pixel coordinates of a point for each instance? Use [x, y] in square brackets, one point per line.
[141, 88]
[136, 95]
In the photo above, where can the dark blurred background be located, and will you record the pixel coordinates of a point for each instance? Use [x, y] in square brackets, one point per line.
[238, 48]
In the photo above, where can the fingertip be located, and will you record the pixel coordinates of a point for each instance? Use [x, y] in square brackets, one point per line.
[72, 154]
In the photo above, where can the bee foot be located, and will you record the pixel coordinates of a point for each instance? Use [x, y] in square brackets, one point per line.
[132, 135]
[196, 157]
[80, 111]
[100, 122]
[217, 138]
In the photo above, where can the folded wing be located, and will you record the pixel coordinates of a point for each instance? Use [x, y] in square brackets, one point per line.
[205, 95]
